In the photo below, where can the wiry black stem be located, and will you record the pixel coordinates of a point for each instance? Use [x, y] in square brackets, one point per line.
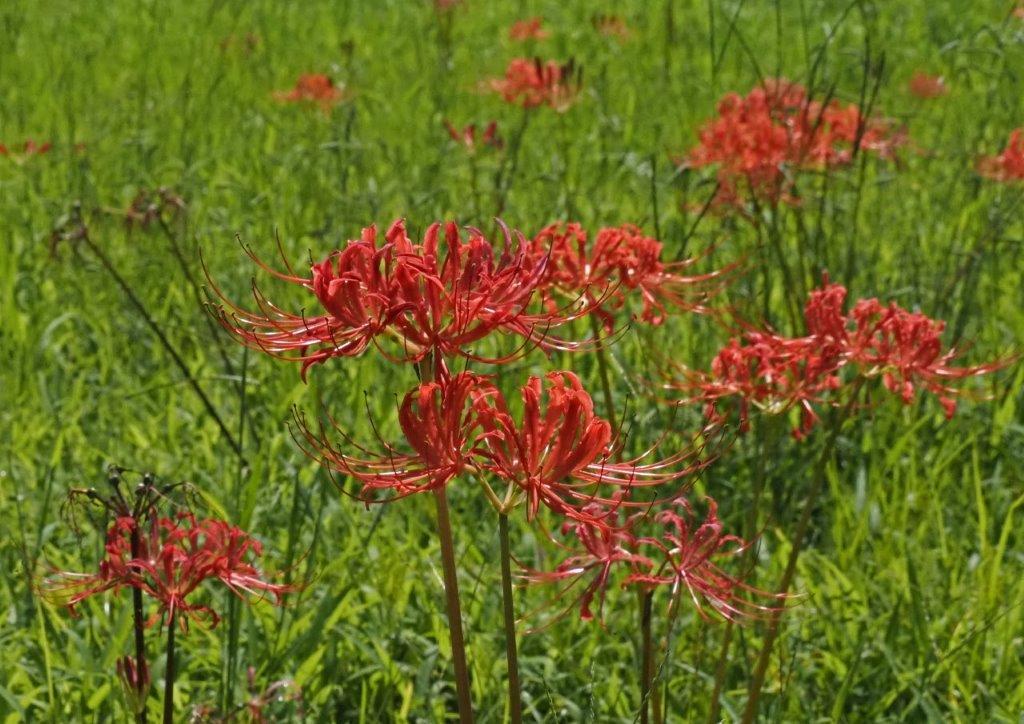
[166, 343]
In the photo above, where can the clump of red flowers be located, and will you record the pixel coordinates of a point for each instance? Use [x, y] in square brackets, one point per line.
[410, 301]
[1008, 165]
[758, 142]
[927, 86]
[314, 88]
[533, 83]
[558, 454]
[671, 548]
[529, 29]
[469, 139]
[620, 261]
[174, 556]
[775, 373]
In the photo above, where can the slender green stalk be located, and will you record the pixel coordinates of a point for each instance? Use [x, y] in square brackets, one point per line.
[454, 607]
[603, 369]
[515, 695]
[775, 616]
[169, 674]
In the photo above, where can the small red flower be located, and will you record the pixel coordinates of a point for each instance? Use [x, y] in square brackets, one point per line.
[759, 141]
[177, 555]
[692, 554]
[611, 26]
[1008, 165]
[560, 454]
[604, 543]
[620, 262]
[314, 88]
[926, 86]
[529, 29]
[532, 83]
[28, 148]
[467, 137]
[439, 423]
[906, 349]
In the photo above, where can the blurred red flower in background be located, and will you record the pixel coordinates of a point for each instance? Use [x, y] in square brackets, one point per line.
[468, 139]
[314, 88]
[1008, 165]
[533, 83]
[529, 29]
[760, 140]
[927, 86]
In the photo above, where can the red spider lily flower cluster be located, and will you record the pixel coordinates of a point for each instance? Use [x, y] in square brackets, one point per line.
[559, 454]
[1008, 165]
[29, 148]
[776, 373]
[621, 260]
[467, 137]
[176, 556]
[529, 29]
[760, 140]
[411, 301]
[670, 548]
[314, 88]
[926, 87]
[533, 83]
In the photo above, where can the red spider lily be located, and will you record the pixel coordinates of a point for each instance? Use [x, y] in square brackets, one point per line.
[606, 542]
[561, 454]
[776, 373]
[621, 260]
[438, 422]
[612, 26]
[926, 86]
[691, 561]
[1008, 165]
[314, 88]
[532, 83]
[905, 348]
[29, 148]
[529, 29]
[176, 557]
[421, 299]
[467, 137]
[758, 141]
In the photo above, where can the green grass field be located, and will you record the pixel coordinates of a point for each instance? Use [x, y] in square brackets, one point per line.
[911, 585]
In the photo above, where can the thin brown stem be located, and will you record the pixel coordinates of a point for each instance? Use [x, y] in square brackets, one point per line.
[139, 624]
[169, 673]
[646, 656]
[775, 617]
[454, 607]
[515, 696]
